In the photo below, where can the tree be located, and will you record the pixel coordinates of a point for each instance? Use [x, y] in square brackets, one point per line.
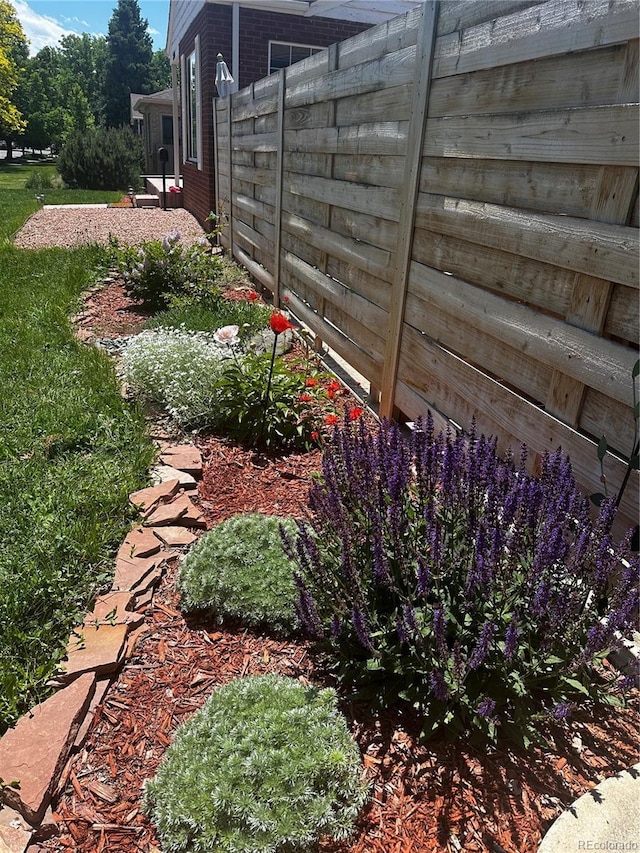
[82, 59]
[160, 71]
[14, 53]
[128, 61]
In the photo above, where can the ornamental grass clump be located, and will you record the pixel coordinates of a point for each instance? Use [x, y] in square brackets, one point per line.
[266, 766]
[178, 369]
[238, 570]
[438, 573]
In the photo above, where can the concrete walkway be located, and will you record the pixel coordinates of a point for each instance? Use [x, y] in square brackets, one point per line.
[606, 818]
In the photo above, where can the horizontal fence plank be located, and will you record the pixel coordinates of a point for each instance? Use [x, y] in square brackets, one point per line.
[395, 34]
[393, 103]
[253, 207]
[559, 26]
[393, 69]
[535, 283]
[381, 171]
[598, 249]
[365, 228]
[622, 319]
[596, 362]
[377, 201]
[544, 187]
[601, 415]
[602, 134]
[251, 175]
[367, 258]
[589, 78]
[383, 137]
[463, 391]
[460, 14]
[256, 270]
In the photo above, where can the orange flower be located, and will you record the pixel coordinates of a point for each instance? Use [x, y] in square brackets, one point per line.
[356, 413]
[311, 382]
[331, 420]
[305, 398]
[333, 386]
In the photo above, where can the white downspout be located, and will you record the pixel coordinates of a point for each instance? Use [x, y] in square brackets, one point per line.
[176, 126]
[235, 45]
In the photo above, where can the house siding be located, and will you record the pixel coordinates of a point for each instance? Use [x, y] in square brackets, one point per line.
[213, 25]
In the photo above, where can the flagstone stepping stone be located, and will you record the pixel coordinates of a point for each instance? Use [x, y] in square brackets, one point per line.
[15, 832]
[36, 749]
[181, 511]
[168, 513]
[185, 457]
[94, 648]
[131, 573]
[175, 536]
[161, 473]
[114, 608]
[101, 688]
[139, 542]
[146, 499]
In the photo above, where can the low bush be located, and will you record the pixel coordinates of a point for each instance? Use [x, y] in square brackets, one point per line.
[160, 269]
[211, 313]
[40, 180]
[266, 765]
[437, 573]
[102, 159]
[180, 370]
[239, 570]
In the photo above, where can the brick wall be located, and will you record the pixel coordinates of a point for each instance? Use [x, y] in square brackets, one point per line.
[257, 28]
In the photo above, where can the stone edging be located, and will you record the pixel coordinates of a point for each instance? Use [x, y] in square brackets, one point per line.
[38, 750]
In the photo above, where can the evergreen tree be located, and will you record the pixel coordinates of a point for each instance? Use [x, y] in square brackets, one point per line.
[128, 62]
[160, 71]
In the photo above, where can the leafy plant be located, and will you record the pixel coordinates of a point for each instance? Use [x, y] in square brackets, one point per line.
[101, 159]
[160, 269]
[266, 765]
[437, 573]
[180, 370]
[239, 570]
[39, 180]
[210, 313]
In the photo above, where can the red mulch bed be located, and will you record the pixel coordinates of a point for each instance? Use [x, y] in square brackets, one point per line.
[438, 796]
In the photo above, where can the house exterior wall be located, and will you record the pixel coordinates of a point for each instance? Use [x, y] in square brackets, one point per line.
[213, 25]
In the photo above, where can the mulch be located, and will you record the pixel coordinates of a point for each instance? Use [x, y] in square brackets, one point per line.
[434, 796]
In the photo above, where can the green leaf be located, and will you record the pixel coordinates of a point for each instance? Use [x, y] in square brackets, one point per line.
[602, 447]
[577, 685]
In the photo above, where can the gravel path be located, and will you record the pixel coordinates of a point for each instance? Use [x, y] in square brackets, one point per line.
[73, 226]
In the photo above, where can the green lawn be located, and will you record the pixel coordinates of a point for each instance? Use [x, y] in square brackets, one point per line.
[71, 449]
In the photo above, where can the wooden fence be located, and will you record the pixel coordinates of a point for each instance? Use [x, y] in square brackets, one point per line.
[450, 201]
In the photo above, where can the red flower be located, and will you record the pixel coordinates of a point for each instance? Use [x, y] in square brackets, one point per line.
[279, 323]
[333, 386]
[311, 382]
[355, 413]
[305, 398]
[315, 435]
[253, 296]
[331, 420]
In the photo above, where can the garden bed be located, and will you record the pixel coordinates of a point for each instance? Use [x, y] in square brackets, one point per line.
[440, 796]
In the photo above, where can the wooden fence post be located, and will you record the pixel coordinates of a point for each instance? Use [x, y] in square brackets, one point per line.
[409, 194]
[282, 90]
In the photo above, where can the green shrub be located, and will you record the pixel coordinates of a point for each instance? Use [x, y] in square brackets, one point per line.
[102, 159]
[178, 369]
[39, 180]
[239, 570]
[266, 765]
[212, 312]
[160, 269]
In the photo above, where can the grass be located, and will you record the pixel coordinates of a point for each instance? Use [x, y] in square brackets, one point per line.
[71, 450]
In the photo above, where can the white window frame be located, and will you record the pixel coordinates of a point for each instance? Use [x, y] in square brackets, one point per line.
[313, 48]
[192, 109]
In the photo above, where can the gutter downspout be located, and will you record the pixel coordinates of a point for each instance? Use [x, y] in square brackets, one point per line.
[176, 126]
[235, 45]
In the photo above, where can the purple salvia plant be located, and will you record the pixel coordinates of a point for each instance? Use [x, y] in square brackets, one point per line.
[406, 529]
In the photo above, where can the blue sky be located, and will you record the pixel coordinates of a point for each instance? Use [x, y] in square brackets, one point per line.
[45, 21]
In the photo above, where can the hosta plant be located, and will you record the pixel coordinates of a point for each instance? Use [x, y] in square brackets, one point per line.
[266, 765]
[438, 573]
[239, 570]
